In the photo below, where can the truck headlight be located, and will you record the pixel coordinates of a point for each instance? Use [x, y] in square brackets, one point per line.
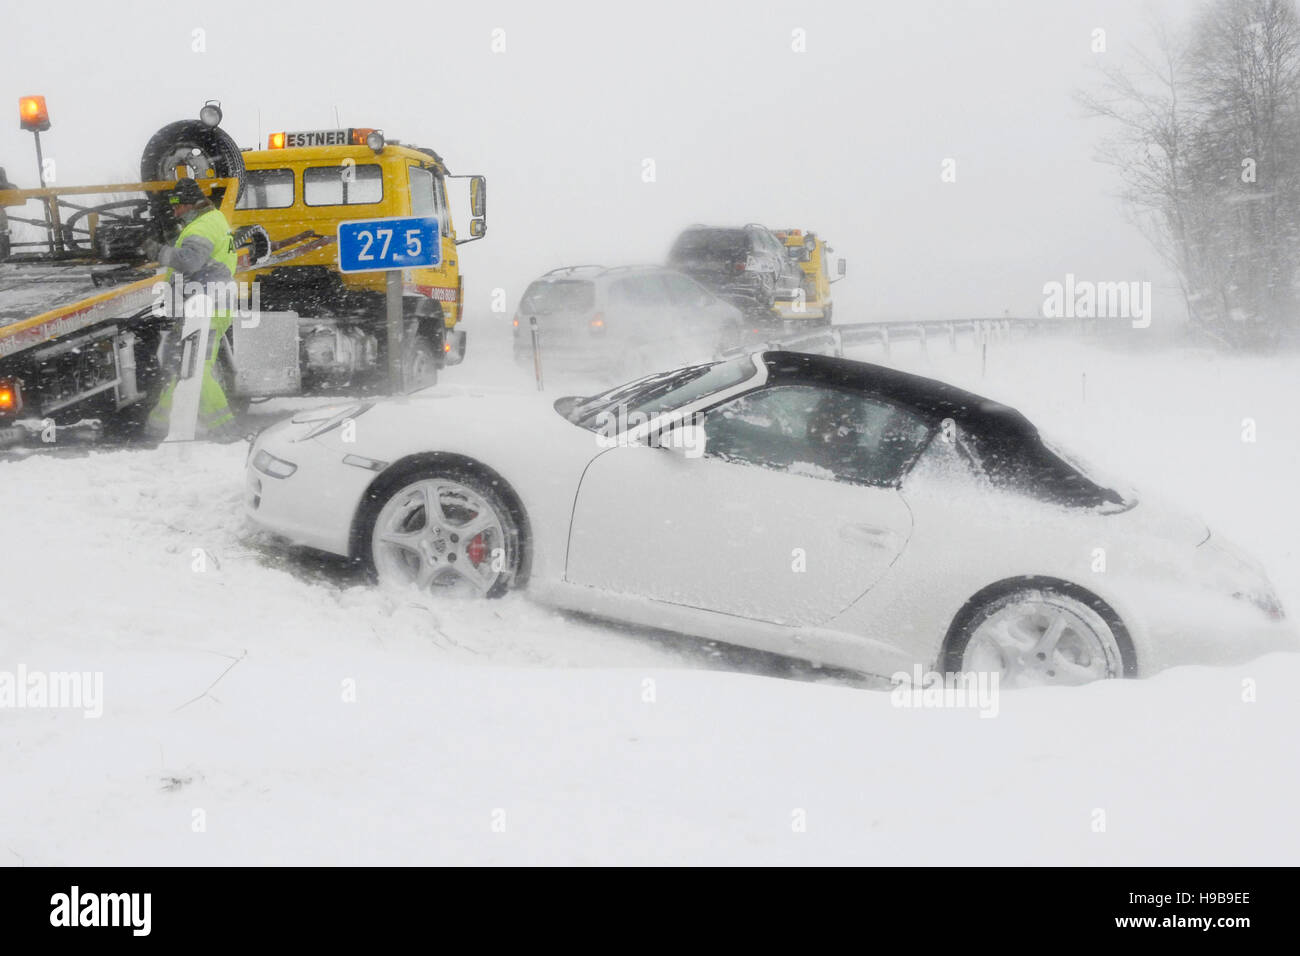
[211, 113]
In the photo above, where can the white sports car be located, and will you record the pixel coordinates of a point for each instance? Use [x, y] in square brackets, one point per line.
[816, 507]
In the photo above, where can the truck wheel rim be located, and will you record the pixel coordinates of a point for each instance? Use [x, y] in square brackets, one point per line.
[1037, 639]
[441, 537]
[199, 163]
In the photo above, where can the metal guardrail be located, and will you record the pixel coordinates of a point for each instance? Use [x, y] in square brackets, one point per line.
[834, 339]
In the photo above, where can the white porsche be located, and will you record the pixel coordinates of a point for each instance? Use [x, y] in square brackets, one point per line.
[816, 507]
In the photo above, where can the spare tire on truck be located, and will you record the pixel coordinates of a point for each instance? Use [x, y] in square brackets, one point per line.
[206, 152]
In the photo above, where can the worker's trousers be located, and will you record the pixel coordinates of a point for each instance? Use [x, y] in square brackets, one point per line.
[214, 411]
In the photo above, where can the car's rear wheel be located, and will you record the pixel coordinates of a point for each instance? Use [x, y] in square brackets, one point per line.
[1039, 635]
[445, 532]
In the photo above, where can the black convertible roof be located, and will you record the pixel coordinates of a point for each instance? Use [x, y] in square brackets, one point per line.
[933, 399]
[1011, 451]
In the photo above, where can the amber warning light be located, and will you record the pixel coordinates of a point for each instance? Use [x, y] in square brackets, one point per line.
[353, 136]
[10, 400]
[32, 114]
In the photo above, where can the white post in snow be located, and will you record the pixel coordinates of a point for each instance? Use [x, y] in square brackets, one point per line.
[537, 350]
[183, 422]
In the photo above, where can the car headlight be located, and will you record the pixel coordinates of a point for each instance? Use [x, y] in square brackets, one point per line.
[268, 464]
[1240, 577]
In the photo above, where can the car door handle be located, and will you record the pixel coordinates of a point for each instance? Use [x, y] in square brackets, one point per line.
[870, 535]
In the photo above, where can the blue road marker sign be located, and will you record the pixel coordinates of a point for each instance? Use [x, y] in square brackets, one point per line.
[377, 245]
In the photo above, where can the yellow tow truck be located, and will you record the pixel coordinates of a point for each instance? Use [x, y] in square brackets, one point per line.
[812, 305]
[298, 190]
[84, 317]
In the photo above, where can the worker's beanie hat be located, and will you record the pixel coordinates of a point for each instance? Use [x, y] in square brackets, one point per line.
[186, 193]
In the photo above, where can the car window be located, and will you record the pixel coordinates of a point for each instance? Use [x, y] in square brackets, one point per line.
[819, 432]
[336, 185]
[267, 189]
[684, 292]
[621, 293]
[709, 245]
[423, 200]
[640, 292]
[565, 295]
[440, 198]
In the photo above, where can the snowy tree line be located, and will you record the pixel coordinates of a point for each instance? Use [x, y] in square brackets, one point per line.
[1205, 132]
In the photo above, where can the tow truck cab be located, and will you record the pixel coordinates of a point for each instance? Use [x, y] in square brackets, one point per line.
[309, 182]
[812, 254]
[84, 314]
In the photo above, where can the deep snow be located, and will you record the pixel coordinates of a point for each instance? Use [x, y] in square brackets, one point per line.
[503, 732]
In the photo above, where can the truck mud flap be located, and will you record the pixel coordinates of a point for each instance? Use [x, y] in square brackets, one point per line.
[455, 354]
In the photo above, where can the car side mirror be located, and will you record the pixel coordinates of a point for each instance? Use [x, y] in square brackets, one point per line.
[681, 439]
[477, 228]
[840, 267]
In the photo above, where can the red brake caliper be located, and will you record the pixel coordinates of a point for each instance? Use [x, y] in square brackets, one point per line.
[476, 550]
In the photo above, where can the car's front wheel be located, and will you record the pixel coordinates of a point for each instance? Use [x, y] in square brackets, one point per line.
[1040, 635]
[444, 531]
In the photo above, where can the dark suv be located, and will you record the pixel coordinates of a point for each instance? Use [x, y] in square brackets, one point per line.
[747, 265]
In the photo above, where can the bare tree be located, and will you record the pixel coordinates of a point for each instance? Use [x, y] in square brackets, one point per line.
[1246, 72]
[1206, 138]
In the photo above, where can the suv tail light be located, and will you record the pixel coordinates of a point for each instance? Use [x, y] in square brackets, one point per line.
[598, 322]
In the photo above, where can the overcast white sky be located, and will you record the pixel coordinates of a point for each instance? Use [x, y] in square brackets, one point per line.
[846, 138]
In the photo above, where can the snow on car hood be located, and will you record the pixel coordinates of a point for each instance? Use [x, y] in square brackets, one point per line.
[504, 428]
[1163, 520]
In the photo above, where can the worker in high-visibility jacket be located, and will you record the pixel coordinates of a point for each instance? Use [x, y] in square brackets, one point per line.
[204, 252]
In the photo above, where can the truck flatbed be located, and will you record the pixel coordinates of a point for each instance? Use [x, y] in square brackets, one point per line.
[42, 301]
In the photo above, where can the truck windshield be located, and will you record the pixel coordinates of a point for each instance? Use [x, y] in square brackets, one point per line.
[356, 185]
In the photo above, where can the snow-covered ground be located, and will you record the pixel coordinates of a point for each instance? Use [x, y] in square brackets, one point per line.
[264, 706]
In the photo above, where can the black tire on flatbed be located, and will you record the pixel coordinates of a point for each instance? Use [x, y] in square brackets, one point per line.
[158, 162]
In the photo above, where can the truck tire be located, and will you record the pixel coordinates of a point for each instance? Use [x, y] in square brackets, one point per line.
[419, 365]
[207, 151]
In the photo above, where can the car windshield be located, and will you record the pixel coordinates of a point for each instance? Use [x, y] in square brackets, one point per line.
[565, 295]
[661, 392]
